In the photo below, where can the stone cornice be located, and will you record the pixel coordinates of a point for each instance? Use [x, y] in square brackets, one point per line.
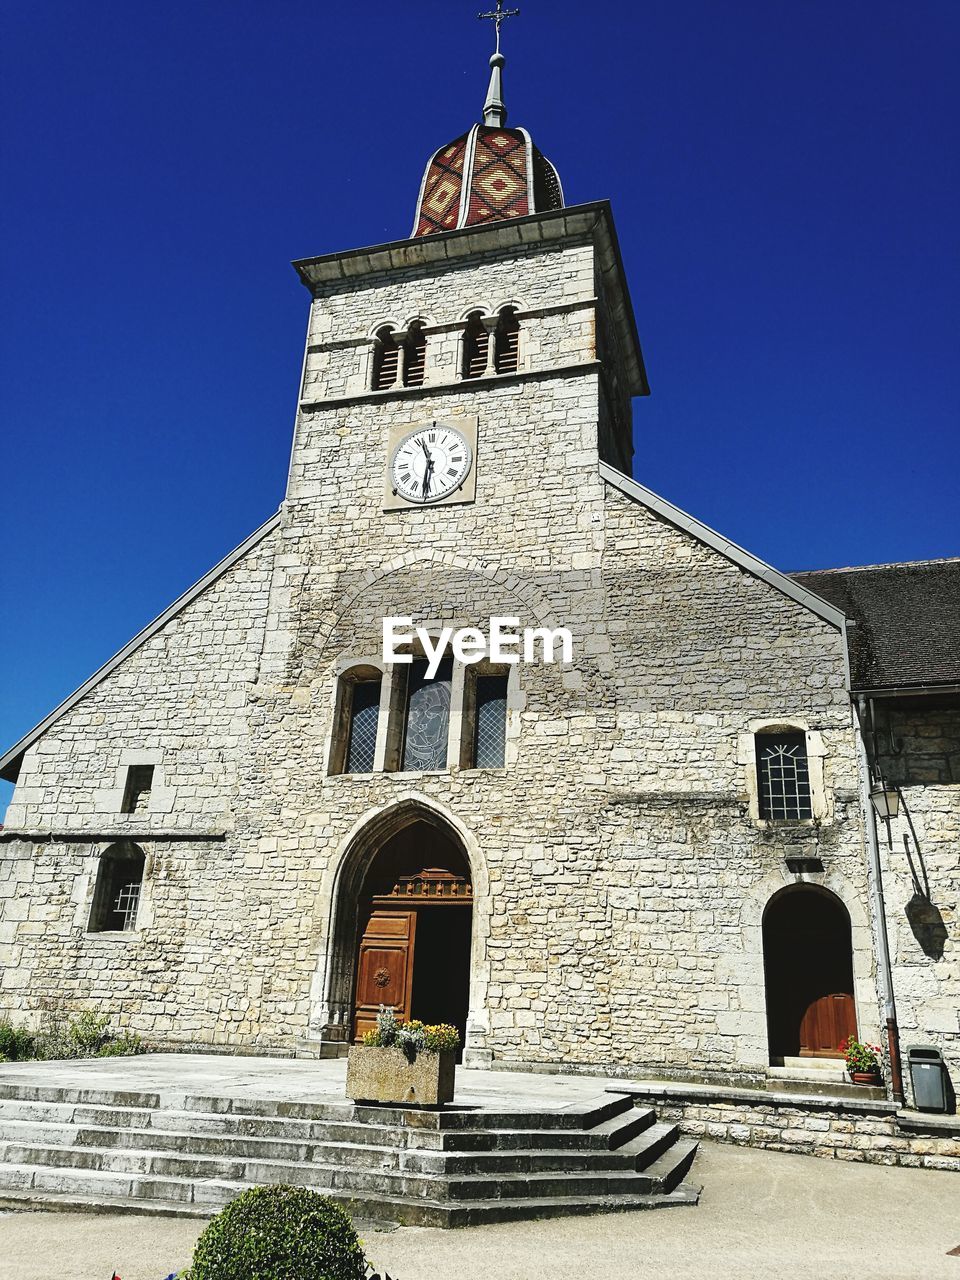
[96, 835]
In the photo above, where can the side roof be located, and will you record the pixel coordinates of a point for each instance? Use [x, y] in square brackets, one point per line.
[906, 621]
[11, 761]
[709, 537]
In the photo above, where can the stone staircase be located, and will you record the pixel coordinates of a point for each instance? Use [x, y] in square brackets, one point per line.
[162, 1154]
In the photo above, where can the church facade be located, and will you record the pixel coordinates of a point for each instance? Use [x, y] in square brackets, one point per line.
[248, 830]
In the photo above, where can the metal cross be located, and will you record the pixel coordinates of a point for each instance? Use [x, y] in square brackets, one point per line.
[499, 18]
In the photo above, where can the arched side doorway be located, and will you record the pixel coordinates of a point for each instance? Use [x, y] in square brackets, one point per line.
[414, 931]
[808, 974]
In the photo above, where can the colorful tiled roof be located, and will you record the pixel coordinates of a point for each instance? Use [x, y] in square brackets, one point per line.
[487, 174]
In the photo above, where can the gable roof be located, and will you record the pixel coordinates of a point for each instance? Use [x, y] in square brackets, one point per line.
[11, 761]
[905, 630]
[787, 586]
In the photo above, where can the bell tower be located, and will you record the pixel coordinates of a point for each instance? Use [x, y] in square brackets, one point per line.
[504, 307]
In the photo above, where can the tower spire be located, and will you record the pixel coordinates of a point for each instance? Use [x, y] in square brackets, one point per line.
[495, 109]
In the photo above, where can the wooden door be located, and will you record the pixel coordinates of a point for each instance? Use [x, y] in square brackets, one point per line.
[384, 967]
[826, 1024]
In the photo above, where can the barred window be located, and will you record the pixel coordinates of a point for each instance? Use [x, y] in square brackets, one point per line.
[415, 364]
[386, 359]
[507, 342]
[490, 721]
[117, 895]
[364, 698]
[783, 777]
[475, 343]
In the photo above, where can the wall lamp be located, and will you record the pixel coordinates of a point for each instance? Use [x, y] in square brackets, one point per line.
[886, 801]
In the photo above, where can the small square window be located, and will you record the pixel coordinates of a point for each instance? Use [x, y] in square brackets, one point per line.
[136, 795]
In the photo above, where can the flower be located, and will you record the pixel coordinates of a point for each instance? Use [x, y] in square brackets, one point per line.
[861, 1057]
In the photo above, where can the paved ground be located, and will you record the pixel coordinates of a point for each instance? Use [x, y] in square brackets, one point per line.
[762, 1215]
[292, 1079]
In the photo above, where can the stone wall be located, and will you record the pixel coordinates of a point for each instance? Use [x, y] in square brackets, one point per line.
[619, 875]
[919, 746]
[179, 699]
[872, 1133]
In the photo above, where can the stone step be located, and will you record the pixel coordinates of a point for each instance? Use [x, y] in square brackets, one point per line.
[74, 1113]
[670, 1169]
[177, 1130]
[27, 1142]
[108, 1184]
[437, 1168]
[97, 1097]
[21, 1101]
[57, 1166]
[422, 1213]
[650, 1144]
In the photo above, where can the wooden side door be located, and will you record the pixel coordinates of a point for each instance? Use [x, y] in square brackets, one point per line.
[384, 968]
[826, 1024]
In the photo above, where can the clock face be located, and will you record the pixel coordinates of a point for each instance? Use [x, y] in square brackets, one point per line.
[430, 463]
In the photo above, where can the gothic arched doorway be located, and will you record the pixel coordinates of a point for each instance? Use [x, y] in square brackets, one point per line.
[808, 972]
[413, 939]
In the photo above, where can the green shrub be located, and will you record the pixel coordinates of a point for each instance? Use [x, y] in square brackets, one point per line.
[279, 1233]
[121, 1046]
[88, 1033]
[16, 1043]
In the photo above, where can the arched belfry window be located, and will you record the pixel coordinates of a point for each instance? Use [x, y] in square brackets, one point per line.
[386, 359]
[116, 898]
[507, 342]
[475, 345]
[358, 721]
[415, 363]
[783, 776]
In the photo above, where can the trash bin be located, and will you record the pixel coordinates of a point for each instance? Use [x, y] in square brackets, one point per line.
[928, 1075]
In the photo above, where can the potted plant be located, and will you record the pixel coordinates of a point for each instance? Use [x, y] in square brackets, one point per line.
[863, 1064]
[404, 1063]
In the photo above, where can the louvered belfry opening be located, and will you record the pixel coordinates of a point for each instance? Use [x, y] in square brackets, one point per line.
[416, 361]
[386, 360]
[507, 350]
[475, 341]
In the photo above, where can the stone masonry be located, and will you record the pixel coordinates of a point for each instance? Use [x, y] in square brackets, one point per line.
[620, 871]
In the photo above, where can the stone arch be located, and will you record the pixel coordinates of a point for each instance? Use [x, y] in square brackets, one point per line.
[746, 968]
[528, 596]
[334, 980]
[809, 983]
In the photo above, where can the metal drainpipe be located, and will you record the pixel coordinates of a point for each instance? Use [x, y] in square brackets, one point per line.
[876, 897]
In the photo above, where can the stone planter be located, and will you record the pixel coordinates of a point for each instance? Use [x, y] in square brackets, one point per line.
[386, 1075]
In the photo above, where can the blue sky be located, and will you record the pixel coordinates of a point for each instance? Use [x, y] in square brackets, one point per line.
[785, 183]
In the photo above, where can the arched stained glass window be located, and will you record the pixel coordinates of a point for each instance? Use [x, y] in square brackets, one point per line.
[427, 720]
